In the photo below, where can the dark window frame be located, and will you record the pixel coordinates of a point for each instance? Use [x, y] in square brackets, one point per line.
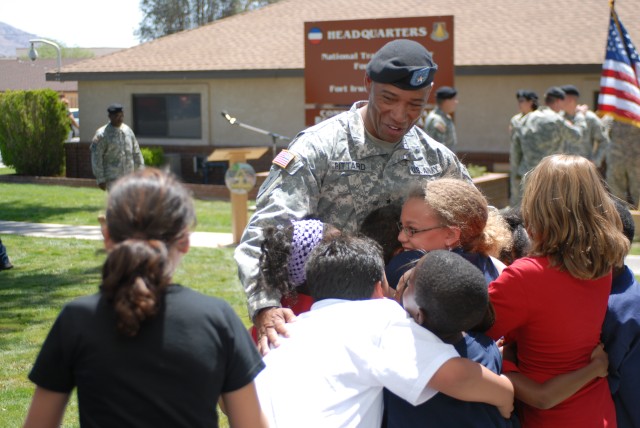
[168, 115]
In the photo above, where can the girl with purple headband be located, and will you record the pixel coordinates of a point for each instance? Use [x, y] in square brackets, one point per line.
[284, 254]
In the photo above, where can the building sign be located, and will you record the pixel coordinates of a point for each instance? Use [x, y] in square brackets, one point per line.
[337, 54]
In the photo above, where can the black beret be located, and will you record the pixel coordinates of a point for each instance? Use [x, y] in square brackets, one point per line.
[555, 92]
[402, 63]
[446, 93]
[527, 95]
[570, 90]
[115, 108]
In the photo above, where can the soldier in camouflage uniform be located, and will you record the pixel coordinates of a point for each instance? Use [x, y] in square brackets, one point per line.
[623, 162]
[527, 102]
[439, 124]
[114, 150]
[541, 133]
[347, 166]
[594, 140]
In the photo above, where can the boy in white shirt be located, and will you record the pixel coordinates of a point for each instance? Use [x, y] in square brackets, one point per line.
[331, 370]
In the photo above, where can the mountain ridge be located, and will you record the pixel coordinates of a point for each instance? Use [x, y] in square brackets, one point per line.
[12, 38]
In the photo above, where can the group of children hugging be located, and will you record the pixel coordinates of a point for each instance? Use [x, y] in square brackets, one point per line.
[442, 312]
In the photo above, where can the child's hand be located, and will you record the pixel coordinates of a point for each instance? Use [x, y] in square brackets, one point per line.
[601, 360]
[507, 408]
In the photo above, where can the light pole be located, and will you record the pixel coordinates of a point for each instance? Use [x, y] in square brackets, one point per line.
[33, 53]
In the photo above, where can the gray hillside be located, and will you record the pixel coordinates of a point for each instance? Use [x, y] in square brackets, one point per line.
[12, 38]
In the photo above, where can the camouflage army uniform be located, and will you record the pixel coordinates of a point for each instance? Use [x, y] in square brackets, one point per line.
[593, 145]
[440, 127]
[541, 133]
[114, 153]
[623, 162]
[338, 176]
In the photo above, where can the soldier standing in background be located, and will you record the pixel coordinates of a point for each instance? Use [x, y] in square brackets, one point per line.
[114, 150]
[594, 140]
[439, 124]
[527, 102]
[541, 133]
[347, 166]
[623, 162]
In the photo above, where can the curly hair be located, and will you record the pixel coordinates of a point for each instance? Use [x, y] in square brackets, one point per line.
[147, 213]
[460, 204]
[276, 250]
[571, 218]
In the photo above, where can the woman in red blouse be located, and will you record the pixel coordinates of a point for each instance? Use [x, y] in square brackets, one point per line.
[552, 303]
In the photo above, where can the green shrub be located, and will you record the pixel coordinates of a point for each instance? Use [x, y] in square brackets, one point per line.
[33, 128]
[153, 156]
[476, 170]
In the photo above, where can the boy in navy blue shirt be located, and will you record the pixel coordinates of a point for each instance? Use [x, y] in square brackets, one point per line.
[448, 295]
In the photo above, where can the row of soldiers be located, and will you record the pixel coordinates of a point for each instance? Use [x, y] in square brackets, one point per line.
[562, 125]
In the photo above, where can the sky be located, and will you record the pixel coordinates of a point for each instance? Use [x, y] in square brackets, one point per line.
[77, 23]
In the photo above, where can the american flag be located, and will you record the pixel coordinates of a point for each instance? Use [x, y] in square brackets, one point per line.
[620, 80]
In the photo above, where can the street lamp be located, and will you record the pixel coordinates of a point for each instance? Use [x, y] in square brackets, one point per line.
[33, 53]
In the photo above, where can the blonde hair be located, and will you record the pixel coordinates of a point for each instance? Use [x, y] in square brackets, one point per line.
[460, 204]
[571, 218]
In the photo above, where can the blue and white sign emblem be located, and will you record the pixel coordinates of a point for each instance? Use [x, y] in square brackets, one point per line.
[315, 36]
[420, 76]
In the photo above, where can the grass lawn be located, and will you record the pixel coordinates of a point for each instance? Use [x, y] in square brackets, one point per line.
[50, 272]
[82, 205]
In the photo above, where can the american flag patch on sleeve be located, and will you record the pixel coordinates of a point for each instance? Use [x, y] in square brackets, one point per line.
[284, 158]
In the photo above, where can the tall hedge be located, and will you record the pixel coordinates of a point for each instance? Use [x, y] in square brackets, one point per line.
[33, 128]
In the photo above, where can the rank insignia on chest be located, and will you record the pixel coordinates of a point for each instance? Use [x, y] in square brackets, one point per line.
[284, 158]
[348, 166]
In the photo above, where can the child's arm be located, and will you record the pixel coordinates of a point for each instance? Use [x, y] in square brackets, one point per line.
[469, 381]
[243, 408]
[47, 408]
[557, 389]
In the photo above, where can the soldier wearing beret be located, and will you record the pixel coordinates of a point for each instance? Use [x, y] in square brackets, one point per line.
[527, 102]
[439, 123]
[347, 166]
[595, 140]
[541, 133]
[114, 149]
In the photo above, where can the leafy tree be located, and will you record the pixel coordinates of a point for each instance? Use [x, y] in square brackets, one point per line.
[165, 17]
[48, 51]
[33, 127]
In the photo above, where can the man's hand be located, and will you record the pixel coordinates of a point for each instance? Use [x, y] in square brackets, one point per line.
[582, 108]
[269, 323]
[103, 186]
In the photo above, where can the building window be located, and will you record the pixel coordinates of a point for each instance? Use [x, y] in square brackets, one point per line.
[167, 115]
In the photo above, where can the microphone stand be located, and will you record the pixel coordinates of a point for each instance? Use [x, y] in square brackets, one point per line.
[274, 137]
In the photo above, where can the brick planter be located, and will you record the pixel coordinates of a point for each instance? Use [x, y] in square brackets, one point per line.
[495, 186]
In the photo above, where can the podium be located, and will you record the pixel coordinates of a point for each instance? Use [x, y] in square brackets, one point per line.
[239, 218]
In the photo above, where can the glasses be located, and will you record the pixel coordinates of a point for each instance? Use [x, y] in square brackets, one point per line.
[410, 231]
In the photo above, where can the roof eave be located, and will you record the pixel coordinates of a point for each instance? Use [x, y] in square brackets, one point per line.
[460, 70]
[174, 75]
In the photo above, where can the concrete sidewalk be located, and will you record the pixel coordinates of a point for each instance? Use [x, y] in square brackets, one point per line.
[198, 239]
[47, 230]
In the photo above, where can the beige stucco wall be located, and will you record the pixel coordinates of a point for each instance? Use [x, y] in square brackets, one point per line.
[277, 105]
[272, 104]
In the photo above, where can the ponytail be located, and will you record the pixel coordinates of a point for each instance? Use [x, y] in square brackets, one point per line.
[135, 277]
